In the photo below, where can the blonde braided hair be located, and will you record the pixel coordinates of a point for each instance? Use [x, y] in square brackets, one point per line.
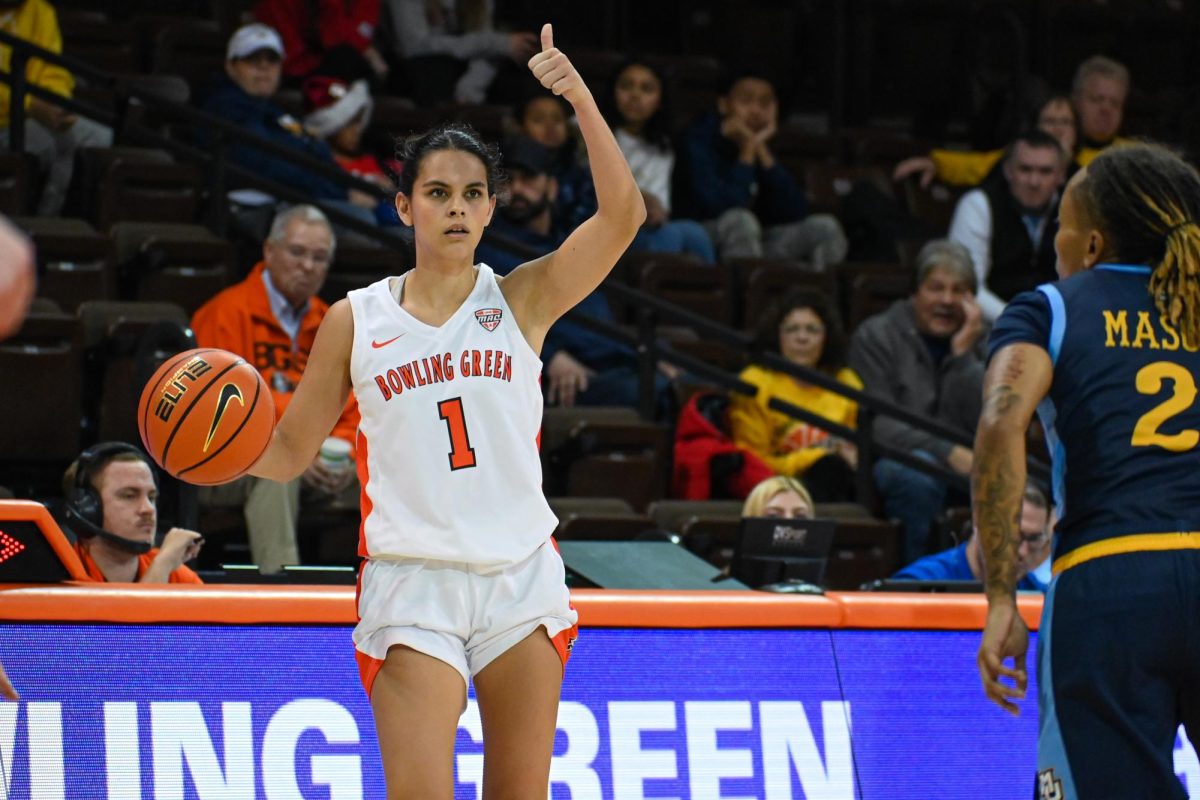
[1146, 199]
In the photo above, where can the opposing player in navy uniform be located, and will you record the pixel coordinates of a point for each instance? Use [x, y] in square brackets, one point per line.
[1108, 356]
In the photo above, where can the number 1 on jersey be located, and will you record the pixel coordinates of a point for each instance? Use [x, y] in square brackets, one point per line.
[462, 455]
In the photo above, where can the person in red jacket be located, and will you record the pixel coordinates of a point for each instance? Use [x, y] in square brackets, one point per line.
[271, 320]
[315, 32]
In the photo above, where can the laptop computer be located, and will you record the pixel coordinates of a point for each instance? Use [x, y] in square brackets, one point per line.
[774, 549]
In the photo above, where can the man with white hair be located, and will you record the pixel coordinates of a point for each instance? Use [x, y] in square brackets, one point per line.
[925, 353]
[271, 320]
[1098, 92]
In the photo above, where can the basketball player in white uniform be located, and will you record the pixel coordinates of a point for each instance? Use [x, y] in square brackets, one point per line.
[462, 580]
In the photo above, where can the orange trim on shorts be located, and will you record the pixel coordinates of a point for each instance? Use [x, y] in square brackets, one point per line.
[368, 670]
[1135, 543]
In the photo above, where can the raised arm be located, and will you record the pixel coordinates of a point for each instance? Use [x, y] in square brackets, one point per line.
[318, 403]
[542, 290]
[1016, 381]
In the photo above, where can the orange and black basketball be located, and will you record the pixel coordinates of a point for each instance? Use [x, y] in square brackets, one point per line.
[206, 416]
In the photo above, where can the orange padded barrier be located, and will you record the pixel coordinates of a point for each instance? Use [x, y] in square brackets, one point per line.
[322, 605]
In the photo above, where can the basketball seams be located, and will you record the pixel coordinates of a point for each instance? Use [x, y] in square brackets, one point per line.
[233, 455]
[245, 420]
[195, 402]
[156, 382]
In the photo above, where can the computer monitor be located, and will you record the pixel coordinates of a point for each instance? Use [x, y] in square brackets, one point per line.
[33, 548]
[773, 549]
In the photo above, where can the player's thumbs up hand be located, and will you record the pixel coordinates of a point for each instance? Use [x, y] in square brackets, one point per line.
[554, 69]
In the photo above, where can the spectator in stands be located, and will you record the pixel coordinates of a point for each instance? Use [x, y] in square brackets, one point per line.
[1098, 91]
[547, 120]
[1008, 224]
[965, 562]
[339, 113]
[805, 329]
[779, 496]
[637, 109]
[925, 353]
[17, 278]
[448, 48]
[1058, 115]
[112, 508]
[271, 320]
[319, 33]
[1055, 116]
[52, 134]
[750, 203]
[582, 367]
[243, 97]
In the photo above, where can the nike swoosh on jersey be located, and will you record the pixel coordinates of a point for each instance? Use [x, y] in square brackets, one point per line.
[230, 391]
[377, 344]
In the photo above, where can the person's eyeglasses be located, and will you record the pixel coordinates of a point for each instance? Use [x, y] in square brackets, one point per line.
[1035, 539]
[301, 253]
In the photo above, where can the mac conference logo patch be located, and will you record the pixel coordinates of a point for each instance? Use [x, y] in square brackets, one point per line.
[1049, 786]
[489, 318]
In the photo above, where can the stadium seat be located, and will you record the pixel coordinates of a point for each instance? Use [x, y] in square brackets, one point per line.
[629, 460]
[863, 550]
[18, 181]
[765, 280]
[609, 506]
[703, 289]
[673, 515]
[123, 343]
[193, 49]
[41, 392]
[143, 184]
[870, 287]
[933, 205]
[75, 261]
[105, 44]
[581, 526]
[174, 263]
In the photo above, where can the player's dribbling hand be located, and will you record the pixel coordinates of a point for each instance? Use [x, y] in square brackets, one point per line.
[555, 70]
[6, 688]
[1005, 636]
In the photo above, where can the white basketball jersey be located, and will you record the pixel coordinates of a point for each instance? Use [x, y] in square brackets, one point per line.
[447, 444]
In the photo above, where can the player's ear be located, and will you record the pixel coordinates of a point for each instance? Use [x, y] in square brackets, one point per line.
[404, 208]
[1095, 249]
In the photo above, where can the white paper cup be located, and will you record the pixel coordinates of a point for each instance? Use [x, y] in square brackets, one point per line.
[335, 453]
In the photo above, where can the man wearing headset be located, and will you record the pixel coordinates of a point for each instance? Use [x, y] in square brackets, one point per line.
[111, 507]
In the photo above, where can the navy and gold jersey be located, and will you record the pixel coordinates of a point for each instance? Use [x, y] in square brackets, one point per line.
[1122, 419]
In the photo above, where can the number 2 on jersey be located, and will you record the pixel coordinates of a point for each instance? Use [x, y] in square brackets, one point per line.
[1150, 381]
[462, 455]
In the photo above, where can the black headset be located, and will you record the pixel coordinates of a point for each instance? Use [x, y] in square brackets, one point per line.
[85, 510]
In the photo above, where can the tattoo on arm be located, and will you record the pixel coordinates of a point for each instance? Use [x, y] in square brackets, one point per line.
[998, 486]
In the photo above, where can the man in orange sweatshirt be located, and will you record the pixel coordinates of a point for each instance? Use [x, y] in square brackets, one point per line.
[271, 320]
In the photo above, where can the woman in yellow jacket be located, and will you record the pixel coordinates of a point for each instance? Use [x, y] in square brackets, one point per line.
[805, 329]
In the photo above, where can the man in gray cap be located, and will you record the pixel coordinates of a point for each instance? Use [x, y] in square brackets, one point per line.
[253, 70]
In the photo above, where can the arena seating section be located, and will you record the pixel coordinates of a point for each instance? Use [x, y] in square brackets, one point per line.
[137, 252]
